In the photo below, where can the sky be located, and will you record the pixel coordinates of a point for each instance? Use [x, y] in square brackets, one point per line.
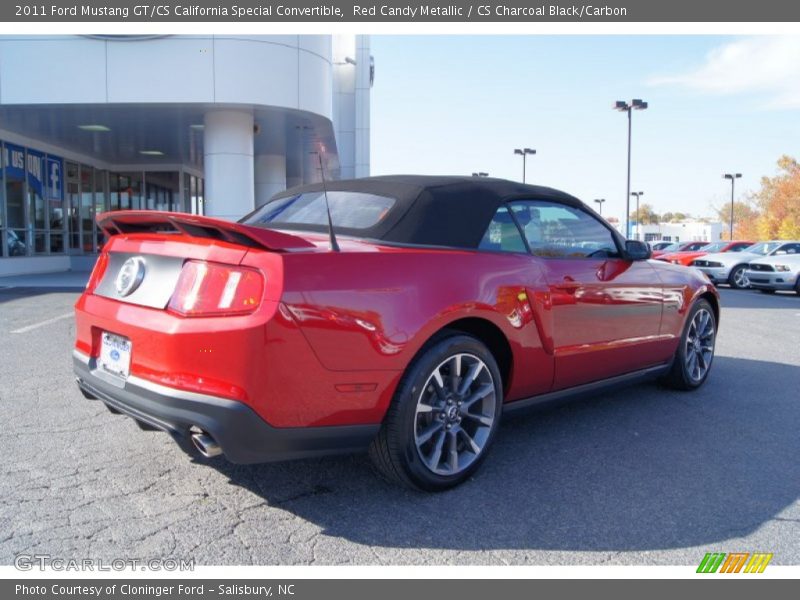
[460, 104]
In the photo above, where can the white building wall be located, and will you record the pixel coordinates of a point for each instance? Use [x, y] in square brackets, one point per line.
[280, 71]
[344, 102]
[362, 109]
[686, 231]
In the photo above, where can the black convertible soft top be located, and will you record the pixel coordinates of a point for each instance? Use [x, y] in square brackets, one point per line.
[433, 210]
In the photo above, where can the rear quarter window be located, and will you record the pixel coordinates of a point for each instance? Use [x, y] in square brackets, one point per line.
[349, 210]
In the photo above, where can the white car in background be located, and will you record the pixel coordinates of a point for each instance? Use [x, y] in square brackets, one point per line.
[731, 267]
[776, 272]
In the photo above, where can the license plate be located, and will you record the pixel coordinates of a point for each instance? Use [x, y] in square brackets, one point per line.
[115, 355]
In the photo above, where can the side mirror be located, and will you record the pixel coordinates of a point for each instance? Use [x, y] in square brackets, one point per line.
[637, 250]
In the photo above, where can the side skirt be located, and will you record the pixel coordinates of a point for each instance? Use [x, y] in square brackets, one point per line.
[586, 390]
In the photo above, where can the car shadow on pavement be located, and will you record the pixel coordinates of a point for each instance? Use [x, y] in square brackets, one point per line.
[637, 469]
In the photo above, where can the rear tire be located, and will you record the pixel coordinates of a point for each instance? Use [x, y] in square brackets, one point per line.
[737, 279]
[695, 354]
[443, 418]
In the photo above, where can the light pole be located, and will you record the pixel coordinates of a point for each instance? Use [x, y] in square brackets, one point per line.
[480, 174]
[638, 216]
[629, 107]
[523, 152]
[733, 177]
[600, 204]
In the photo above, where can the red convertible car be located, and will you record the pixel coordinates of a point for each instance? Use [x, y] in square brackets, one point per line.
[432, 307]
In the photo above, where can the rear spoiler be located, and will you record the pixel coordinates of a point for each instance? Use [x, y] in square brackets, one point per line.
[145, 221]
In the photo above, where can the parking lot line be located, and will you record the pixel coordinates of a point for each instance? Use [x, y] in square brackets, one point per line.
[42, 323]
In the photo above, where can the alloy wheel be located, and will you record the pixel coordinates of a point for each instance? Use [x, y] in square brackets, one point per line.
[700, 344]
[455, 414]
[740, 278]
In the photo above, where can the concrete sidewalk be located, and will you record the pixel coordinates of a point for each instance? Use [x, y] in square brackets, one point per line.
[66, 279]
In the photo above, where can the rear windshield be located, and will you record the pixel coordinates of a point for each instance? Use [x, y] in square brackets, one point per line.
[349, 210]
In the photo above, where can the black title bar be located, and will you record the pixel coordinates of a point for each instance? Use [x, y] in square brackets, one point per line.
[248, 11]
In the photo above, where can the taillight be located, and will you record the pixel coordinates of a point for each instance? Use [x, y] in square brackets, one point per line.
[97, 272]
[211, 289]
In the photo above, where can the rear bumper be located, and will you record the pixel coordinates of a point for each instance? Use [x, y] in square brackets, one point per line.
[243, 435]
[771, 280]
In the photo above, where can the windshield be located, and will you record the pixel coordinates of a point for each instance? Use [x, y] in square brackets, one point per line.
[715, 247]
[693, 246]
[762, 248]
[349, 210]
[671, 248]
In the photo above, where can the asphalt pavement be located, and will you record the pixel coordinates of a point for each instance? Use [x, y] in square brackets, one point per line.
[638, 476]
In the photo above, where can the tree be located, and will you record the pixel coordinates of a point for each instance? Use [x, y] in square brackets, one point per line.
[745, 220]
[778, 202]
[645, 216]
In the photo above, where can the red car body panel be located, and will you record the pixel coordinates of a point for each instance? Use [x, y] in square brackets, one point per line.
[333, 333]
[345, 326]
[683, 248]
[686, 258]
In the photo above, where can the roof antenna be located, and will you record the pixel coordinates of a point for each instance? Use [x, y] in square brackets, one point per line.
[331, 232]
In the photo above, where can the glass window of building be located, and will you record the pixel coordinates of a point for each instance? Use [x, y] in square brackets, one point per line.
[14, 167]
[37, 209]
[54, 192]
[162, 190]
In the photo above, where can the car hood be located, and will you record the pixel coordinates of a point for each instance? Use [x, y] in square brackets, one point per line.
[782, 259]
[684, 254]
[732, 258]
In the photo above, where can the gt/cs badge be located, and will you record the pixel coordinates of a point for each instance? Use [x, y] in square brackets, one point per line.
[130, 276]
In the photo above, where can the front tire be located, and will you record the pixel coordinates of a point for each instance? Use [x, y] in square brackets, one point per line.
[692, 362]
[443, 417]
[737, 279]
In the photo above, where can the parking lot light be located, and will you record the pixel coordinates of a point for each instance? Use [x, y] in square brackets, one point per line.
[638, 217]
[600, 205]
[523, 152]
[733, 177]
[628, 107]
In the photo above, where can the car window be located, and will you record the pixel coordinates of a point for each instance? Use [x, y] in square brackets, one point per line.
[788, 249]
[695, 246]
[502, 235]
[739, 247]
[713, 247]
[354, 210]
[559, 231]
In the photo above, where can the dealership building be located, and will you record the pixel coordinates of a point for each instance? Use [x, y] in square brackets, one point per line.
[211, 125]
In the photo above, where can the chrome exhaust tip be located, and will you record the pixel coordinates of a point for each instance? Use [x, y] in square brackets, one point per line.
[205, 444]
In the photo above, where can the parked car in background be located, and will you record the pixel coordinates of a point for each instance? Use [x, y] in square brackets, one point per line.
[680, 247]
[731, 267]
[779, 271]
[685, 258]
[441, 304]
[16, 247]
[658, 246]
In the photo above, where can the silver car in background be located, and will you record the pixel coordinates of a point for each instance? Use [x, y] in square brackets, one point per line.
[731, 267]
[776, 272]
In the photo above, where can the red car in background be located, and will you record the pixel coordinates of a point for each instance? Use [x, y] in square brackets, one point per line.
[435, 305]
[679, 247]
[685, 258]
